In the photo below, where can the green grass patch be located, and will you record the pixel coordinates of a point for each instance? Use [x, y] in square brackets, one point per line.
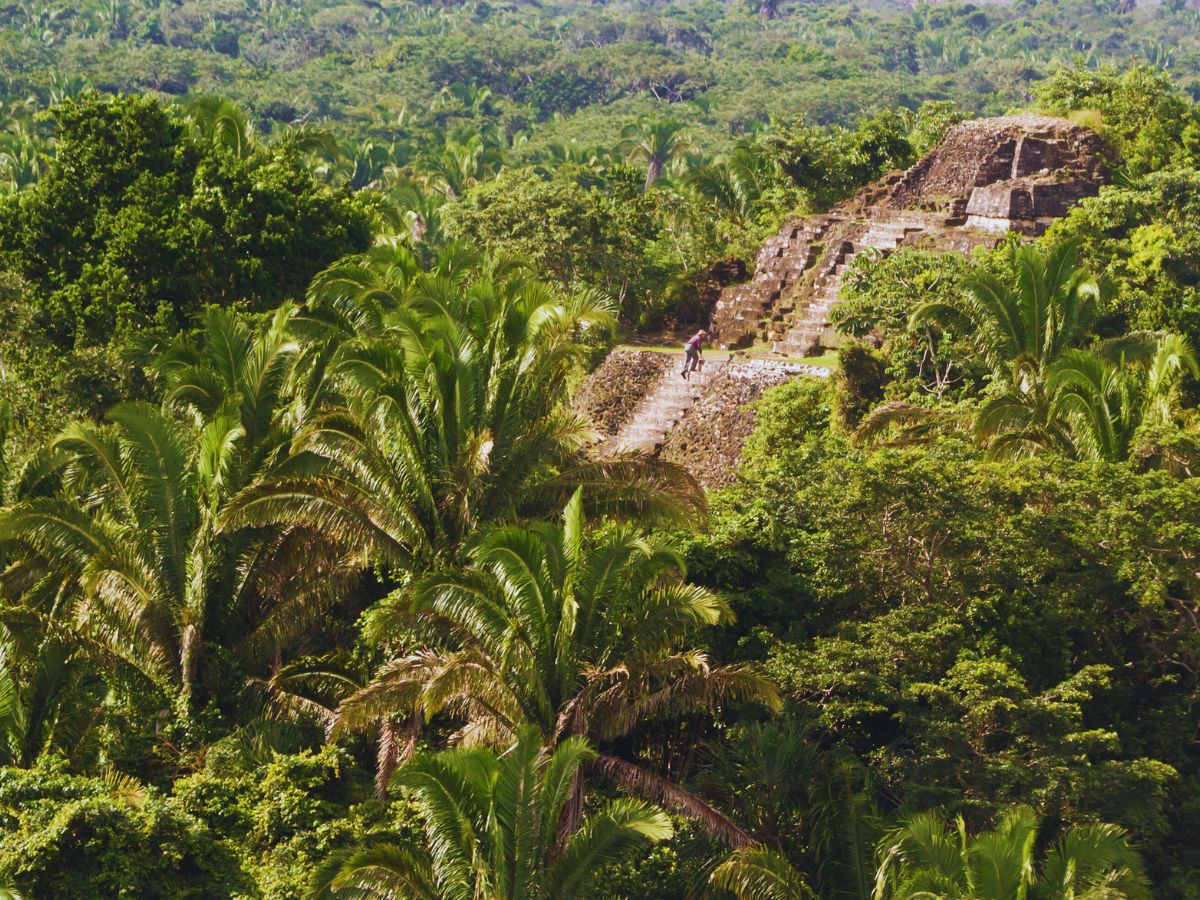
[828, 360]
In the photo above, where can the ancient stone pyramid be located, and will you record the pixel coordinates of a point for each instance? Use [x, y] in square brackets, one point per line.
[986, 178]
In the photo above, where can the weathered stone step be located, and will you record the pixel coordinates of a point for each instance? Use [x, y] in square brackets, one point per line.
[664, 406]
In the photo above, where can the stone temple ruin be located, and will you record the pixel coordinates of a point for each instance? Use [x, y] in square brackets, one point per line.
[986, 178]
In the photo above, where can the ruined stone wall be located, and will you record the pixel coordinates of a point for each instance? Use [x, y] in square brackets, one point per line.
[964, 160]
[1024, 148]
[987, 177]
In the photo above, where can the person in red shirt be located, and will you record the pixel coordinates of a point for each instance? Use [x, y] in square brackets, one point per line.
[692, 352]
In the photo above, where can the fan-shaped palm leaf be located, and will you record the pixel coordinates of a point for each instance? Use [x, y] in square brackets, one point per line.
[492, 830]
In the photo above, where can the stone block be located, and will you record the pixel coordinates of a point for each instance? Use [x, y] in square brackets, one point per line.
[1001, 201]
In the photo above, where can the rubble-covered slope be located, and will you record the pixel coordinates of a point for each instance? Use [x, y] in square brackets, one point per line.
[609, 396]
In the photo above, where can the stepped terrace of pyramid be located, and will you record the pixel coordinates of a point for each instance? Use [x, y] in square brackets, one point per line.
[637, 400]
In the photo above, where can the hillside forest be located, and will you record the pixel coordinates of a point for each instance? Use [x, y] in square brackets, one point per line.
[314, 585]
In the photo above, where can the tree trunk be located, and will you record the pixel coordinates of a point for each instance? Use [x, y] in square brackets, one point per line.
[653, 171]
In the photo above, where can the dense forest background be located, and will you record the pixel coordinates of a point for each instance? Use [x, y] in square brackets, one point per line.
[550, 73]
[312, 585]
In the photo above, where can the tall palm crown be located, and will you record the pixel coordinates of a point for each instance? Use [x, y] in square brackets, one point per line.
[22, 158]
[923, 858]
[463, 160]
[1105, 402]
[1091, 404]
[222, 123]
[1049, 395]
[492, 824]
[48, 693]
[1018, 330]
[123, 548]
[237, 374]
[656, 144]
[736, 184]
[122, 544]
[572, 636]
[443, 409]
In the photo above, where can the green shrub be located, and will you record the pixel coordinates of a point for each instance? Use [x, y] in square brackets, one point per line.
[861, 379]
[78, 837]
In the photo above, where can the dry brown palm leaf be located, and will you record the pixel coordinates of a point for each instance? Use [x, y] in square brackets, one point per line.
[657, 789]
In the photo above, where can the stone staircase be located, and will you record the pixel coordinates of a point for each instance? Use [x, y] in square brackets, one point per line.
[782, 263]
[800, 325]
[665, 405]
[798, 276]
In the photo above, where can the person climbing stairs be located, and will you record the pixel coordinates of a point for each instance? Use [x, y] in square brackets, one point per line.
[693, 353]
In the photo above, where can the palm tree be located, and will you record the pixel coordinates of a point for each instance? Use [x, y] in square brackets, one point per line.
[124, 541]
[23, 157]
[409, 210]
[812, 804]
[1092, 405]
[444, 411]
[460, 162]
[323, 153]
[554, 156]
[1022, 423]
[233, 370]
[656, 143]
[48, 692]
[220, 122]
[757, 873]
[247, 375]
[492, 827]
[734, 186]
[1172, 357]
[436, 409]
[125, 553]
[925, 858]
[1020, 331]
[362, 164]
[575, 638]
[1104, 403]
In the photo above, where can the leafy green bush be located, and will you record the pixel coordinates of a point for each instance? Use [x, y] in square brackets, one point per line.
[861, 380]
[285, 816]
[939, 608]
[1143, 240]
[72, 836]
[134, 223]
[577, 236]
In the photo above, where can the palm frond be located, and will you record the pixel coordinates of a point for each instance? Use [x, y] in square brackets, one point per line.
[657, 789]
[756, 873]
